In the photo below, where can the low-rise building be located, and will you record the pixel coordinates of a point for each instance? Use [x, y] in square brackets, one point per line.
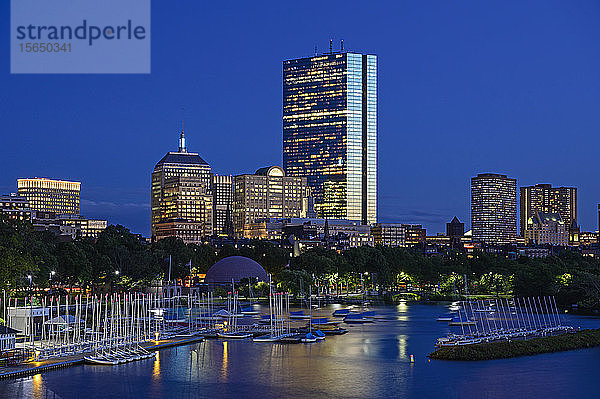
[15, 207]
[191, 232]
[398, 234]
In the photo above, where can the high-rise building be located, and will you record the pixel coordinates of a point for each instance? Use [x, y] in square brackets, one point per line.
[268, 193]
[181, 189]
[547, 199]
[546, 228]
[494, 209]
[46, 195]
[330, 131]
[223, 205]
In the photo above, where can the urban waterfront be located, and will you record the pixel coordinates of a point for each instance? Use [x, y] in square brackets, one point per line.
[372, 360]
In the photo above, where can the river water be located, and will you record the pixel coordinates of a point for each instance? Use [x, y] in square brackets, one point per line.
[371, 361]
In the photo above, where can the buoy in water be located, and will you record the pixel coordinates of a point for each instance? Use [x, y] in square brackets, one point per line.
[412, 359]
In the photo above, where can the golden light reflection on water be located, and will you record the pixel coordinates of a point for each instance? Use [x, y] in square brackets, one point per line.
[402, 340]
[225, 361]
[156, 367]
[38, 386]
[402, 309]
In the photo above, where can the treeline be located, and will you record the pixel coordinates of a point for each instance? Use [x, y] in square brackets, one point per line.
[119, 260]
[116, 260]
[571, 277]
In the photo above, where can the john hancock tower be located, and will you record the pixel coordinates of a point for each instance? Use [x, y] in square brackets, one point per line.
[330, 131]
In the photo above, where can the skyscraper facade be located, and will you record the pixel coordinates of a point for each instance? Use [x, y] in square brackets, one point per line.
[330, 131]
[547, 199]
[181, 189]
[267, 194]
[46, 195]
[223, 205]
[494, 209]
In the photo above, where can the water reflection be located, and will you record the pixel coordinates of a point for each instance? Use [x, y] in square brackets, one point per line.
[225, 361]
[38, 386]
[156, 367]
[372, 360]
[402, 310]
[402, 338]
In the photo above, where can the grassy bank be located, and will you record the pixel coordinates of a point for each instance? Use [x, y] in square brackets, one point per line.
[500, 350]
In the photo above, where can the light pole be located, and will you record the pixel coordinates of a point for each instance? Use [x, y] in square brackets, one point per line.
[52, 273]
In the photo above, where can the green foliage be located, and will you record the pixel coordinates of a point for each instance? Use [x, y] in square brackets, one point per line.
[93, 264]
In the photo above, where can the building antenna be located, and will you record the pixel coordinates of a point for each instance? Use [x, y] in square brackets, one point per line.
[342, 45]
[182, 147]
[315, 49]
[182, 109]
[330, 46]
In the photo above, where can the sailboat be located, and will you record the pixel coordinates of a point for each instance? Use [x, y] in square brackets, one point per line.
[249, 310]
[231, 332]
[277, 329]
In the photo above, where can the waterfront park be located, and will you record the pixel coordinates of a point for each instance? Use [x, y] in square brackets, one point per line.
[116, 300]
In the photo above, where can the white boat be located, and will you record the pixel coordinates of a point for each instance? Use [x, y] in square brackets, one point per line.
[234, 335]
[267, 338]
[308, 338]
[446, 317]
[455, 322]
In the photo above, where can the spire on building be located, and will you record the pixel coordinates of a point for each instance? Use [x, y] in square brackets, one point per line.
[182, 147]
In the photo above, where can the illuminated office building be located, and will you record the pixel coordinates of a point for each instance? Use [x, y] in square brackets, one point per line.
[181, 190]
[547, 199]
[546, 228]
[222, 205]
[46, 195]
[85, 228]
[398, 234]
[330, 131]
[268, 193]
[494, 209]
[15, 207]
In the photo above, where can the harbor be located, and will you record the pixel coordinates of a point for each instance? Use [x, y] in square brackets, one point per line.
[110, 330]
[355, 364]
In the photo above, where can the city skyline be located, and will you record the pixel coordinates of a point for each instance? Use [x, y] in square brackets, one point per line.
[450, 106]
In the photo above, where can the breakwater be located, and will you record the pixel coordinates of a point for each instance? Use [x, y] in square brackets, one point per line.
[507, 349]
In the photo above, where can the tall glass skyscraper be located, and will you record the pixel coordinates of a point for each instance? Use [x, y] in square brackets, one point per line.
[330, 131]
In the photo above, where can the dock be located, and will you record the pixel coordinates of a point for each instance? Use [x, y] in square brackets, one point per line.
[32, 368]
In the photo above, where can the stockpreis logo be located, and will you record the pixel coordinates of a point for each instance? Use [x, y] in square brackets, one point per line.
[82, 36]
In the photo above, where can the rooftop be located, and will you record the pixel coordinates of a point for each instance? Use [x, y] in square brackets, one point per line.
[186, 158]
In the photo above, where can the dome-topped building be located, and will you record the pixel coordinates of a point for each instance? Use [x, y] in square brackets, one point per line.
[235, 268]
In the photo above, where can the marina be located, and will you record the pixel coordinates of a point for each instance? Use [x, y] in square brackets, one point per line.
[502, 319]
[367, 357]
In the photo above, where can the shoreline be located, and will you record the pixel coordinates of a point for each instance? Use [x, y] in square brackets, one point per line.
[583, 339]
[34, 368]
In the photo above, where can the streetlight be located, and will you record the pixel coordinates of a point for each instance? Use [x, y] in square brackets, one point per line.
[52, 273]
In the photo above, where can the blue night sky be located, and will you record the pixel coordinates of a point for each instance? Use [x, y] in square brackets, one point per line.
[464, 87]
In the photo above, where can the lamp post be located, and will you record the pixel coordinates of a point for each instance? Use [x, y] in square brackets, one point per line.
[30, 315]
[52, 273]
